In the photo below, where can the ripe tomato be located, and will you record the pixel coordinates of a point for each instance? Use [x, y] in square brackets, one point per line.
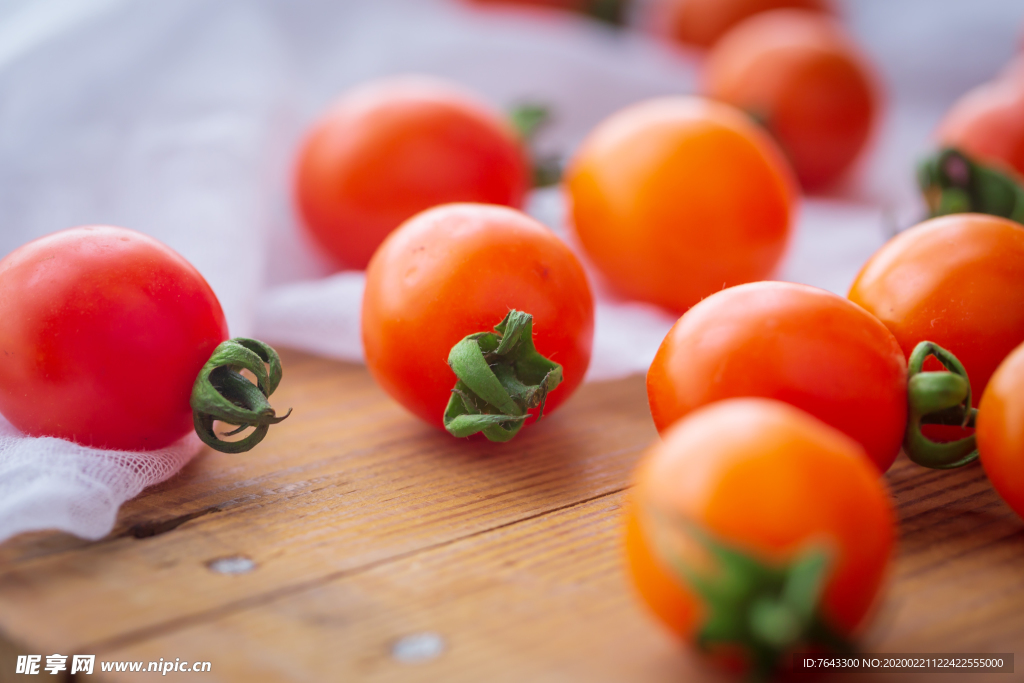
[794, 343]
[1000, 430]
[104, 333]
[956, 281]
[675, 198]
[702, 22]
[457, 270]
[391, 149]
[798, 74]
[987, 124]
[741, 497]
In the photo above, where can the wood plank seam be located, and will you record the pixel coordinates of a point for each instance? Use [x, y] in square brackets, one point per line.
[161, 629]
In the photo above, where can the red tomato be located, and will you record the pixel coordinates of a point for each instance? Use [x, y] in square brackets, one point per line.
[675, 198]
[802, 78]
[956, 281]
[391, 149]
[104, 332]
[457, 270]
[794, 343]
[744, 491]
[702, 22]
[1000, 430]
[988, 123]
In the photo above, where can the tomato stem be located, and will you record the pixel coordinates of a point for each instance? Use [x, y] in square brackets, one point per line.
[954, 183]
[938, 398]
[222, 393]
[529, 119]
[767, 609]
[501, 376]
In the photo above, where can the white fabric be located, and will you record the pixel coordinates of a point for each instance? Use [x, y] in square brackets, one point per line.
[180, 118]
[53, 484]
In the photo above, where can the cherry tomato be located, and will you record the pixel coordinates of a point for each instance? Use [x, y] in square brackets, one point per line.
[457, 270]
[1000, 430]
[104, 333]
[956, 281]
[988, 123]
[798, 74]
[675, 198]
[702, 22]
[794, 343]
[391, 149]
[740, 497]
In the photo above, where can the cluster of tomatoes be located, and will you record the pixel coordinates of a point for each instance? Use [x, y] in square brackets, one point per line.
[759, 523]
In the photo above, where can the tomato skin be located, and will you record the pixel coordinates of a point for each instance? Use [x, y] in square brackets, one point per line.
[768, 479]
[1000, 430]
[793, 343]
[987, 123]
[956, 281]
[455, 270]
[390, 149]
[674, 198]
[105, 330]
[799, 74]
[702, 22]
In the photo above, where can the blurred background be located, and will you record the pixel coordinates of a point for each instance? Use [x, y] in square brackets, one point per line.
[181, 119]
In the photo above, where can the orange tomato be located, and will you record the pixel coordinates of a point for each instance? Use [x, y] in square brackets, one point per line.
[987, 123]
[457, 270]
[1000, 430]
[388, 150]
[756, 481]
[957, 281]
[789, 342]
[675, 198]
[702, 22]
[798, 74]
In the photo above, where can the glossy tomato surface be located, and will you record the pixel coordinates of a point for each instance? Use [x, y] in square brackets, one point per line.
[1000, 430]
[956, 281]
[456, 270]
[768, 480]
[675, 198]
[702, 22]
[104, 332]
[393, 148]
[988, 122]
[789, 342]
[800, 76]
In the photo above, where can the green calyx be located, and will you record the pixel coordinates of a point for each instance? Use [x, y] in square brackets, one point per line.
[611, 12]
[938, 398]
[222, 393]
[953, 183]
[501, 378]
[767, 610]
[529, 119]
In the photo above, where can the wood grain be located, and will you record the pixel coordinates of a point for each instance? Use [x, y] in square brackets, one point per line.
[366, 526]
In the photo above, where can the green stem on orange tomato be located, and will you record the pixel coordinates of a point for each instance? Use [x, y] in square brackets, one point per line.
[501, 376]
[952, 182]
[222, 393]
[767, 609]
[938, 398]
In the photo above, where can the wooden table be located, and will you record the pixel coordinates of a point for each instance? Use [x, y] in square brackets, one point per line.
[357, 544]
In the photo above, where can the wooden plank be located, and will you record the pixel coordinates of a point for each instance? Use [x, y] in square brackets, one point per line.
[366, 527]
[349, 481]
[546, 599]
